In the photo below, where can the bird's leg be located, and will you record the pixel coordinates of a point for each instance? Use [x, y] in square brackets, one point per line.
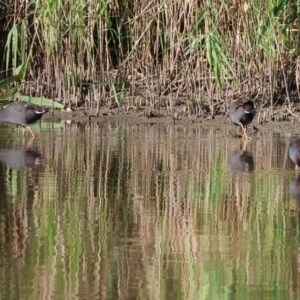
[24, 130]
[32, 134]
[244, 132]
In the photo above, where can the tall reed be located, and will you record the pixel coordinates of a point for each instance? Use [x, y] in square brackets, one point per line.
[116, 53]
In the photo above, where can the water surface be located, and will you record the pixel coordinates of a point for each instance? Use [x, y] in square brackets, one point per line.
[147, 211]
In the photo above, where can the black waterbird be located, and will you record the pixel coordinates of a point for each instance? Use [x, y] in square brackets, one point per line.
[22, 113]
[294, 152]
[241, 113]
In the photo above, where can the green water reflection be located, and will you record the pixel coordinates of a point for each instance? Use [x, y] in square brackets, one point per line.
[148, 211]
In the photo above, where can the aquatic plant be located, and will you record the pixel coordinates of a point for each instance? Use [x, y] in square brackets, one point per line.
[139, 53]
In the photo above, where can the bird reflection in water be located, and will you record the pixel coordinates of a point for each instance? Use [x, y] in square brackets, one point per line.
[17, 192]
[294, 190]
[241, 160]
[21, 158]
[241, 163]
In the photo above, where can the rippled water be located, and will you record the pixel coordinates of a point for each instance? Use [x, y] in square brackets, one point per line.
[147, 211]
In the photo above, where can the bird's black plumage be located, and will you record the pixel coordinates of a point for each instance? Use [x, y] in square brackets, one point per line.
[294, 152]
[22, 113]
[241, 113]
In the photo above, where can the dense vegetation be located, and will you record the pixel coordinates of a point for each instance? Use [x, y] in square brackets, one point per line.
[158, 53]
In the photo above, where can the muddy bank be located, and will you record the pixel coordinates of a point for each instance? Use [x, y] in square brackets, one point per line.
[281, 121]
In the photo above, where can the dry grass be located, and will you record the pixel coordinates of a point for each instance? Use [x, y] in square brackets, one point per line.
[107, 54]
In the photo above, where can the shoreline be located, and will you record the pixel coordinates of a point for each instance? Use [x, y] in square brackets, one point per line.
[285, 125]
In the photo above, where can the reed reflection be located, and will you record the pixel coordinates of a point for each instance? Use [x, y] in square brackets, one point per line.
[129, 206]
